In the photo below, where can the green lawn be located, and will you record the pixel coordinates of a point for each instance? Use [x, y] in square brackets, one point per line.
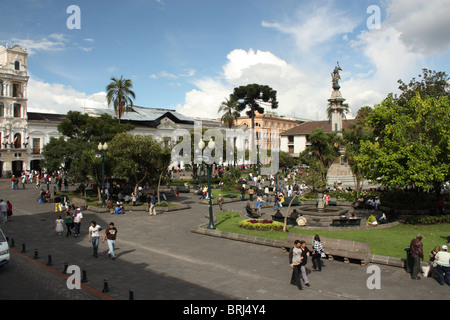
[383, 241]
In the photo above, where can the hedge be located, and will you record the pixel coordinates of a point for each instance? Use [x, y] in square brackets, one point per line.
[261, 225]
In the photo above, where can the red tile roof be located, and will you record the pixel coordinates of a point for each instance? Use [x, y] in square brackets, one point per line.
[308, 127]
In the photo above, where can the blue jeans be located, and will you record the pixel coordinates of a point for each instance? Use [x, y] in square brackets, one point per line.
[442, 270]
[76, 232]
[95, 241]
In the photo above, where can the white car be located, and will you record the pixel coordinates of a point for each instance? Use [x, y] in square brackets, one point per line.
[4, 249]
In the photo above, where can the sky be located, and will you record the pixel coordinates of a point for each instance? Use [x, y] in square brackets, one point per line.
[189, 55]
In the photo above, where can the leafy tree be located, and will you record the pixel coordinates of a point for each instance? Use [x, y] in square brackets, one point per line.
[254, 97]
[412, 142]
[119, 93]
[321, 153]
[352, 138]
[139, 159]
[432, 84]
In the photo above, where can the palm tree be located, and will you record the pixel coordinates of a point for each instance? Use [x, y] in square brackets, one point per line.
[345, 110]
[231, 114]
[119, 93]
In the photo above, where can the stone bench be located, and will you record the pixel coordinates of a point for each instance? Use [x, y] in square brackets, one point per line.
[290, 220]
[287, 201]
[345, 222]
[183, 189]
[345, 249]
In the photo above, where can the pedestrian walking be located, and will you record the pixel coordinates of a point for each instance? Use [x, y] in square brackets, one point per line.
[3, 211]
[317, 253]
[94, 236]
[305, 254]
[152, 205]
[442, 260]
[57, 201]
[59, 225]
[111, 238]
[9, 213]
[416, 247]
[69, 223]
[220, 201]
[295, 259]
[77, 217]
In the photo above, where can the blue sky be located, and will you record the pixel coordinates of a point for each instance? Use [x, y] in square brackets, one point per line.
[188, 55]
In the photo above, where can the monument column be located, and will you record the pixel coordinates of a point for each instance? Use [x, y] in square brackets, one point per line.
[336, 102]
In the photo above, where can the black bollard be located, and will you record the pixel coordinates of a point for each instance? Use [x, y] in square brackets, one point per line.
[13, 244]
[84, 279]
[36, 256]
[23, 248]
[49, 262]
[131, 295]
[66, 265]
[105, 286]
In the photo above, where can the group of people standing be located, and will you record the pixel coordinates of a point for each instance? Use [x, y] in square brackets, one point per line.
[298, 257]
[74, 222]
[439, 259]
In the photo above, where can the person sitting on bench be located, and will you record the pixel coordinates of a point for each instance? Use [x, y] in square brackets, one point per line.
[253, 213]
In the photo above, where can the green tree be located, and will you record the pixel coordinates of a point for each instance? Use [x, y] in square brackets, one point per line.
[352, 138]
[412, 142]
[137, 158]
[432, 84]
[119, 93]
[254, 97]
[321, 153]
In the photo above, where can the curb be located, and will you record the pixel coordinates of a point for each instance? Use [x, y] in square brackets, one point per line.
[203, 230]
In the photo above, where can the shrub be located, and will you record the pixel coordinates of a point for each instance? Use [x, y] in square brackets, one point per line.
[261, 225]
[428, 219]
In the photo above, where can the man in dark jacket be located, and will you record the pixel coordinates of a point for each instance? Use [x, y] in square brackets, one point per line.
[417, 255]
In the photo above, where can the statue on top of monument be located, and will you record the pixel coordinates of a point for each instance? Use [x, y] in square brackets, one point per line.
[336, 77]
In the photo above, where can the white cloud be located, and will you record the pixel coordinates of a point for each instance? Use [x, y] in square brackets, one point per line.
[57, 98]
[396, 51]
[53, 42]
[423, 25]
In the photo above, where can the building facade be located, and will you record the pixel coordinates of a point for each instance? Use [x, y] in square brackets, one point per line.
[14, 135]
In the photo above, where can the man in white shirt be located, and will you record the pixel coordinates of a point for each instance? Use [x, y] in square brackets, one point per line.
[94, 236]
[442, 259]
[77, 217]
[295, 259]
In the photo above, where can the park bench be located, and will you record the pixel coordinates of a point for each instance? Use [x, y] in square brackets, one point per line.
[346, 222]
[346, 249]
[183, 189]
[290, 220]
[287, 201]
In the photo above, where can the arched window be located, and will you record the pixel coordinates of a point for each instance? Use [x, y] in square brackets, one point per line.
[17, 65]
[17, 141]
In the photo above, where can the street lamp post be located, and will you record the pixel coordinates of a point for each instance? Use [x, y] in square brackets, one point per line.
[102, 148]
[211, 146]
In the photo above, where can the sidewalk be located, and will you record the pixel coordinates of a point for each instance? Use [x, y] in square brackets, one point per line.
[159, 258]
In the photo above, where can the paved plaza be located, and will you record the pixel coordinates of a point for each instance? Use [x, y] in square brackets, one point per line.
[159, 258]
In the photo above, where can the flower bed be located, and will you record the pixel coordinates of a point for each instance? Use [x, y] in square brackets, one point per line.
[261, 225]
